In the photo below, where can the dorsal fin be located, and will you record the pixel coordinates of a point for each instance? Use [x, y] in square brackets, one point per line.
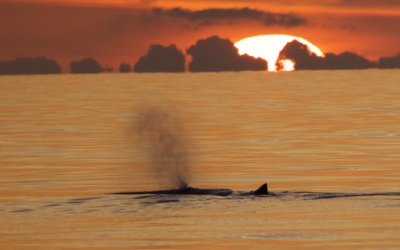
[262, 190]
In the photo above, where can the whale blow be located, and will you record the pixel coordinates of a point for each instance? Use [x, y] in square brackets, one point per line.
[166, 143]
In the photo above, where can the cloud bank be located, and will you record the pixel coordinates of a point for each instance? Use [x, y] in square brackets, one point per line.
[215, 54]
[161, 59]
[266, 18]
[87, 65]
[306, 60]
[390, 62]
[37, 65]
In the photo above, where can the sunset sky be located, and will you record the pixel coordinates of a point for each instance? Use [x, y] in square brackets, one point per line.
[116, 31]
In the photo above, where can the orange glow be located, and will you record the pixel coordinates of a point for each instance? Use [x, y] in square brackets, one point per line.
[372, 8]
[269, 46]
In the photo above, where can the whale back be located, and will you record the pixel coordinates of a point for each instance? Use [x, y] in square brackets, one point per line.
[189, 190]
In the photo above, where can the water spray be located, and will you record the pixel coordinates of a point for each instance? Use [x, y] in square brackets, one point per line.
[166, 143]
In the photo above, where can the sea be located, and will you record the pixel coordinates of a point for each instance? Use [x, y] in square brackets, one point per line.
[327, 143]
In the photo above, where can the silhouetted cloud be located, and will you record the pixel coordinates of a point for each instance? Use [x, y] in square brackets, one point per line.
[124, 68]
[216, 54]
[347, 60]
[161, 59]
[266, 18]
[301, 55]
[87, 65]
[305, 59]
[149, 1]
[389, 62]
[348, 27]
[382, 4]
[37, 65]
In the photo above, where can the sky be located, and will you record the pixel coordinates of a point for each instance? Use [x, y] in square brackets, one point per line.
[121, 31]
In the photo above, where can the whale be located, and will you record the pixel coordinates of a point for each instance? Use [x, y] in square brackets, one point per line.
[262, 190]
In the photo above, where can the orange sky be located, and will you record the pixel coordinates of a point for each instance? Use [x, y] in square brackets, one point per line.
[119, 31]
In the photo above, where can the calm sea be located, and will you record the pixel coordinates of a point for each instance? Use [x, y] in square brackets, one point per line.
[68, 141]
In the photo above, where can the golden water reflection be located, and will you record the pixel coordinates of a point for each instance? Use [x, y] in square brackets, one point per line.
[67, 137]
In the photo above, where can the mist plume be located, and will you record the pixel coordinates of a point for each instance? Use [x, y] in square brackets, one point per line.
[166, 144]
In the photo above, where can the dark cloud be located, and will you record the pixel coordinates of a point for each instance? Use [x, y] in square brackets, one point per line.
[348, 27]
[369, 3]
[206, 23]
[87, 65]
[216, 54]
[149, 1]
[389, 62]
[305, 59]
[124, 68]
[161, 59]
[301, 55]
[347, 60]
[38, 65]
[266, 18]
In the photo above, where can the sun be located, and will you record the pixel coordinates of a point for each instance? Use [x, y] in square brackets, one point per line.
[269, 46]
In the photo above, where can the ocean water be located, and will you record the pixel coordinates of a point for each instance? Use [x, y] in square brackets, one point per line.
[326, 142]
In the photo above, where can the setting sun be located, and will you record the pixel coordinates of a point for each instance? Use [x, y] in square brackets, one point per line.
[269, 46]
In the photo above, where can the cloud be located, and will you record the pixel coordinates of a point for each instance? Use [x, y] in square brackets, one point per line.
[161, 59]
[305, 59]
[266, 18]
[149, 1]
[38, 65]
[347, 60]
[216, 54]
[348, 27]
[124, 68]
[389, 62]
[369, 3]
[301, 55]
[87, 65]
